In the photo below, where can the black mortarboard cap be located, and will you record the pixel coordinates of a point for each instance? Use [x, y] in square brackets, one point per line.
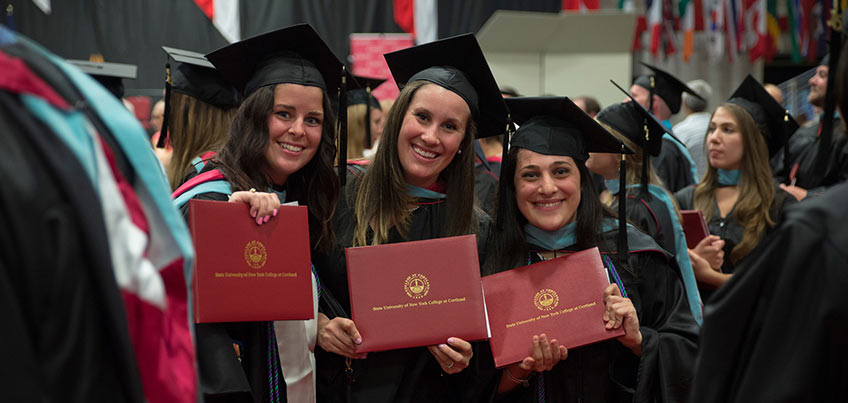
[193, 75]
[458, 65]
[110, 75]
[778, 123]
[363, 95]
[291, 55]
[632, 120]
[666, 86]
[556, 126]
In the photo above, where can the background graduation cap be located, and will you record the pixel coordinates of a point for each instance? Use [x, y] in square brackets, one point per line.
[110, 75]
[556, 126]
[666, 86]
[191, 74]
[363, 96]
[291, 55]
[458, 65]
[778, 124]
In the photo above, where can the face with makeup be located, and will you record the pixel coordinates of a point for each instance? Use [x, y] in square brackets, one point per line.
[294, 129]
[725, 146]
[547, 189]
[432, 131]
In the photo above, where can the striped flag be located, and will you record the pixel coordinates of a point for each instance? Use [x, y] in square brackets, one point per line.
[794, 18]
[224, 15]
[581, 5]
[772, 27]
[654, 23]
[687, 14]
[419, 18]
[716, 29]
[758, 38]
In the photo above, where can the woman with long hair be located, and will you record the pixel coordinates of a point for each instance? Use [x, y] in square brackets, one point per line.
[419, 186]
[548, 208]
[200, 107]
[281, 143]
[649, 206]
[738, 196]
[365, 119]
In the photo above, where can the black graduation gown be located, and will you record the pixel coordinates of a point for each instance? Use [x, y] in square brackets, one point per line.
[65, 334]
[835, 158]
[223, 378]
[729, 228]
[404, 375]
[651, 216]
[609, 372]
[776, 331]
[796, 144]
[672, 167]
[485, 188]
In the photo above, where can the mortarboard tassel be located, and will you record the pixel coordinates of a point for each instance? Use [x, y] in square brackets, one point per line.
[342, 129]
[622, 208]
[501, 184]
[646, 161]
[368, 116]
[163, 132]
[788, 179]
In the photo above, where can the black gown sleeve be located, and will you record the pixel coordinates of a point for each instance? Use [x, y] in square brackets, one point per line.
[669, 332]
[672, 167]
[775, 330]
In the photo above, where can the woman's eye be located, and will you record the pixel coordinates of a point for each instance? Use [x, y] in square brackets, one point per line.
[450, 126]
[283, 114]
[421, 116]
[561, 171]
[529, 175]
[313, 121]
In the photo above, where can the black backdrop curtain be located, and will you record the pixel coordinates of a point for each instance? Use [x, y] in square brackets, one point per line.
[132, 31]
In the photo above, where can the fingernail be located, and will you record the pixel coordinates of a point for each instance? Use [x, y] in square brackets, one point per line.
[254, 214]
[275, 212]
[442, 345]
[359, 340]
[450, 340]
[259, 221]
[267, 217]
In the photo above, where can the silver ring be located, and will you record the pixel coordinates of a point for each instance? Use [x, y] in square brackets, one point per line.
[450, 365]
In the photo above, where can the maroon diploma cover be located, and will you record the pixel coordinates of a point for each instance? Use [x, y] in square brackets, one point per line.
[414, 294]
[694, 227]
[249, 272]
[562, 297]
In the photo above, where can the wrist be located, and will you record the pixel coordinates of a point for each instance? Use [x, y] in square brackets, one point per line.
[521, 379]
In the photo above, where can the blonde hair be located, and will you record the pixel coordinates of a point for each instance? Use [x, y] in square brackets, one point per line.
[756, 190]
[356, 130]
[194, 127]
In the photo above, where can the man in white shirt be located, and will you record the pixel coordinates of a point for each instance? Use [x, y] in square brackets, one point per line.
[693, 128]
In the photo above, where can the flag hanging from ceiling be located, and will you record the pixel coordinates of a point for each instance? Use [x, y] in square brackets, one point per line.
[224, 15]
[419, 18]
[581, 5]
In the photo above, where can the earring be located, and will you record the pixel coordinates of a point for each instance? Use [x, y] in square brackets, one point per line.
[459, 151]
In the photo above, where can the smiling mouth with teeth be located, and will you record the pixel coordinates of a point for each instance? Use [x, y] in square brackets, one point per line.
[549, 204]
[423, 153]
[291, 147]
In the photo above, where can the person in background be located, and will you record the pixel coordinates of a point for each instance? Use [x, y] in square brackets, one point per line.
[156, 113]
[738, 197]
[775, 92]
[201, 108]
[815, 164]
[588, 104]
[659, 92]
[693, 128]
[365, 119]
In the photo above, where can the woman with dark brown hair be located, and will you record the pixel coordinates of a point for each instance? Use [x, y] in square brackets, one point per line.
[738, 196]
[281, 143]
[419, 186]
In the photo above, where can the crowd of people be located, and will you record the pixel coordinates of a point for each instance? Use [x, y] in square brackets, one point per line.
[750, 313]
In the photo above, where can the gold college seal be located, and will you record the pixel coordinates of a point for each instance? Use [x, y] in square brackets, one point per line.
[416, 286]
[546, 299]
[255, 255]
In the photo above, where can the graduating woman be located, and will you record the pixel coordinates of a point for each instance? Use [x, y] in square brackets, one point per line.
[282, 143]
[418, 187]
[548, 207]
[200, 105]
[738, 197]
[650, 207]
[365, 119]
